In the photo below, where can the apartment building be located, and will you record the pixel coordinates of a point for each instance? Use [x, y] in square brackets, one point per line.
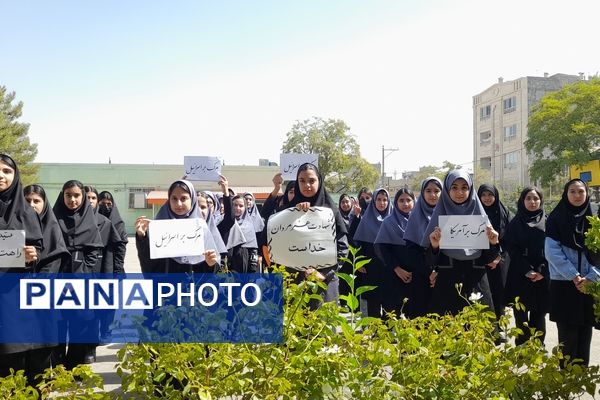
[500, 115]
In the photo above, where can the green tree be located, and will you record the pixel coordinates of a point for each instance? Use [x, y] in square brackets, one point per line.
[339, 153]
[564, 130]
[431, 170]
[13, 136]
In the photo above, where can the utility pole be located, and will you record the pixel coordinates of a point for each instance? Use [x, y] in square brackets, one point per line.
[383, 156]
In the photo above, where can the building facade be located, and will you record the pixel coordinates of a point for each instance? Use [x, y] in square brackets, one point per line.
[140, 189]
[500, 115]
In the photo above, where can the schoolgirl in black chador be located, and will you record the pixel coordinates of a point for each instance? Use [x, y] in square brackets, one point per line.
[108, 207]
[373, 273]
[390, 247]
[421, 290]
[528, 276]
[16, 214]
[464, 268]
[54, 257]
[499, 217]
[79, 226]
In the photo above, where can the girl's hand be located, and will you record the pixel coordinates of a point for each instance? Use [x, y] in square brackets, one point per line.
[403, 274]
[310, 271]
[304, 206]
[210, 256]
[356, 208]
[492, 235]
[30, 254]
[277, 182]
[141, 226]
[432, 278]
[224, 183]
[435, 237]
[495, 263]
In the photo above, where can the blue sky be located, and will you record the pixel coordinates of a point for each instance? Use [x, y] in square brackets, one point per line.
[151, 82]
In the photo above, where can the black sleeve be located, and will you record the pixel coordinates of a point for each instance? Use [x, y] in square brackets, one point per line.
[353, 227]
[143, 249]
[269, 207]
[385, 253]
[228, 218]
[342, 248]
[90, 258]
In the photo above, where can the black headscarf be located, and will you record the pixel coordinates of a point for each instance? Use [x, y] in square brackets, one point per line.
[15, 213]
[112, 213]
[527, 228]
[567, 224]
[79, 226]
[54, 244]
[362, 202]
[497, 212]
[320, 199]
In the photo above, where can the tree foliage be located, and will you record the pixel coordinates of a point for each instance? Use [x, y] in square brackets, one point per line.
[431, 170]
[339, 153]
[564, 129]
[13, 136]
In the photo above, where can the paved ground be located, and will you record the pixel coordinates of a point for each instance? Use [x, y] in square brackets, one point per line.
[107, 355]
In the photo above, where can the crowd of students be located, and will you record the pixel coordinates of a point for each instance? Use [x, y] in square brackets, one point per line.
[541, 260]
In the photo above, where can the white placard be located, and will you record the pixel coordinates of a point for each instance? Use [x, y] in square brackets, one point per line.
[12, 254]
[176, 237]
[464, 232]
[302, 239]
[291, 161]
[201, 168]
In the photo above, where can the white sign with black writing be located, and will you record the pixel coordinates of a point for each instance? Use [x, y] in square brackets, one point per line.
[464, 232]
[12, 252]
[176, 237]
[302, 239]
[291, 161]
[201, 168]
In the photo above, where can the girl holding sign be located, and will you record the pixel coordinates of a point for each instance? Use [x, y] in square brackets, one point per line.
[391, 249]
[373, 273]
[16, 214]
[528, 275]
[309, 191]
[182, 203]
[459, 273]
[571, 270]
[420, 295]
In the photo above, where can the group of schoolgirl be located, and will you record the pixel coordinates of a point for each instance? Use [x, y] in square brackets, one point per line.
[81, 233]
[542, 260]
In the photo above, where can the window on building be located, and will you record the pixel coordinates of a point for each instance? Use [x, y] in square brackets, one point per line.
[510, 132]
[485, 112]
[485, 163]
[510, 104]
[511, 159]
[485, 138]
[137, 197]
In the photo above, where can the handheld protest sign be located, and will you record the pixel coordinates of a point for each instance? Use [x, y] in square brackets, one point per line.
[12, 243]
[200, 168]
[291, 161]
[176, 237]
[303, 239]
[464, 232]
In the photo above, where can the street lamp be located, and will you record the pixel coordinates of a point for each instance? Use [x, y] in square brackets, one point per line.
[383, 156]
